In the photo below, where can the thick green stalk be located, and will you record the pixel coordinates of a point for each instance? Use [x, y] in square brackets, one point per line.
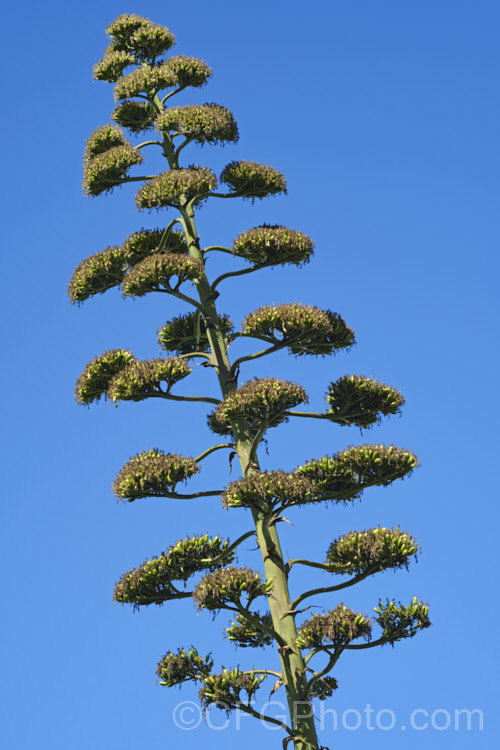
[292, 663]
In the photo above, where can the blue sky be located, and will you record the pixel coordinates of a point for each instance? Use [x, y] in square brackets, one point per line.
[384, 117]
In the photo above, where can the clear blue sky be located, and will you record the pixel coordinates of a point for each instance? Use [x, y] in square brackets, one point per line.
[384, 116]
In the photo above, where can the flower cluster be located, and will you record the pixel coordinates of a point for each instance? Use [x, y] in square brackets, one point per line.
[228, 585]
[268, 489]
[140, 245]
[107, 268]
[248, 634]
[224, 690]
[398, 621]
[98, 374]
[155, 273]
[346, 474]
[113, 63]
[110, 169]
[304, 329]
[203, 123]
[359, 552]
[174, 669]
[107, 158]
[273, 245]
[336, 628]
[96, 274]
[358, 400]
[249, 179]
[152, 582]
[152, 473]
[141, 380]
[188, 333]
[169, 187]
[135, 116]
[103, 139]
[148, 80]
[140, 36]
[262, 401]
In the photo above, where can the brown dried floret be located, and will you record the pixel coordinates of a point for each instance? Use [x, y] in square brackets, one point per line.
[358, 400]
[152, 582]
[153, 473]
[270, 488]
[336, 628]
[262, 401]
[304, 329]
[144, 379]
[137, 117]
[272, 245]
[157, 271]
[346, 474]
[229, 585]
[253, 180]
[168, 187]
[188, 333]
[359, 552]
[174, 669]
[204, 123]
[96, 274]
[95, 379]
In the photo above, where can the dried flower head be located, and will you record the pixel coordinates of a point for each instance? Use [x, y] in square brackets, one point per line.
[253, 180]
[153, 473]
[268, 489]
[152, 582]
[155, 273]
[304, 329]
[358, 400]
[248, 634]
[262, 401]
[203, 123]
[273, 245]
[98, 374]
[398, 621]
[137, 117]
[174, 669]
[144, 379]
[229, 585]
[336, 628]
[188, 333]
[360, 552]
[346, 474]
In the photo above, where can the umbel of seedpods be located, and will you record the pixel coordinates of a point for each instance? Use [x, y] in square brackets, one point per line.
[171, 260]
